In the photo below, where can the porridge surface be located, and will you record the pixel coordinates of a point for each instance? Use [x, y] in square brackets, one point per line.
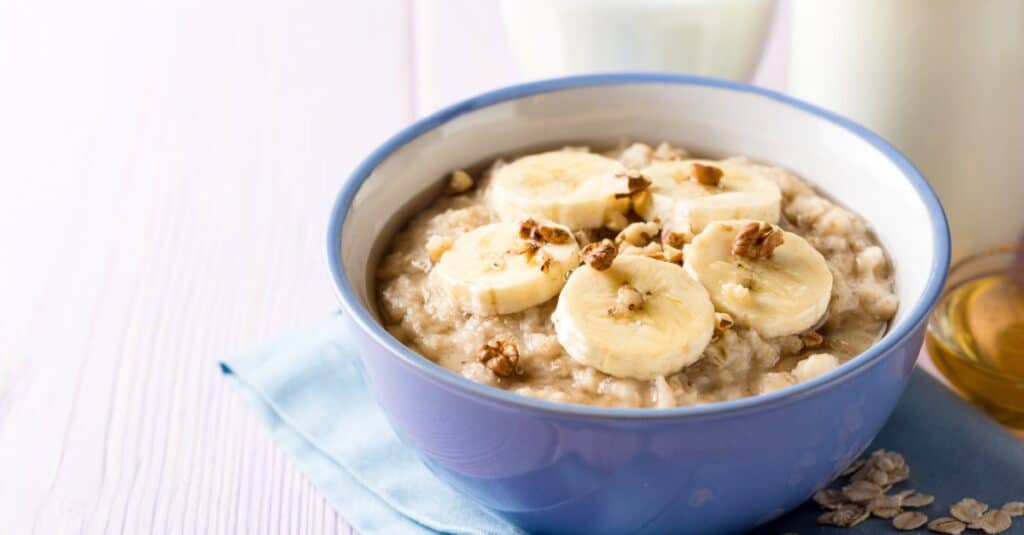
[737, 362]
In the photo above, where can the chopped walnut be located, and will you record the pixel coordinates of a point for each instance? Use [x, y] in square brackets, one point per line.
[707, 175]
[811, 339]
[627, 299]
[545, 266]
[530, 229]
[673, 239]
[527, 248]
[460, 182]
[500, 356]
[635, 183]
[757, 240]
[599, 255]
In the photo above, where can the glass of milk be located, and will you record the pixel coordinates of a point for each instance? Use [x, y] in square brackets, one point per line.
[943, 80]
[720, 38]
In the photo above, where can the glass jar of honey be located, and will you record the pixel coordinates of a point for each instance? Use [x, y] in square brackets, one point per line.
[976, 333]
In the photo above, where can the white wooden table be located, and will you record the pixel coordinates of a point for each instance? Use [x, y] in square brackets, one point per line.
[166, 170]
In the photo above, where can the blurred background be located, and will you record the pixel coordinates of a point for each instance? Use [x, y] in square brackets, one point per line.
[166, 170]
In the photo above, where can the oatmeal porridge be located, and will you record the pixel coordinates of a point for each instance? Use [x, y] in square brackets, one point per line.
[635, 277]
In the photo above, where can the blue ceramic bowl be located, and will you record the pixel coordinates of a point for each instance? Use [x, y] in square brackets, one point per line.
[717, 468]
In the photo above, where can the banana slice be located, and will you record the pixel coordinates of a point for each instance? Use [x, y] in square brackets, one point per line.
[492, 270]
[640, 318]
[573, 188]
[776, 289]
[680, 200]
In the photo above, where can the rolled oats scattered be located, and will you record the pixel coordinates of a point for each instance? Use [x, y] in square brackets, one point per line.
[861, 491]
[886, 506]
[896, 459]
[886, 512]
[968, 510]
[885, 463]
[879, 477]
[899, 475]
[994, 521]
[918, 500]
[944, 524]
[845, 516]
[828, 498]
[887, 500]
[1013, 508]
[909, 520]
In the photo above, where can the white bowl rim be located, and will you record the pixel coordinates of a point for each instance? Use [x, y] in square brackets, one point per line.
[453, 381]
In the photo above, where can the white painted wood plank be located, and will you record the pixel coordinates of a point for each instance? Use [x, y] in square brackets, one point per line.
[163, 197]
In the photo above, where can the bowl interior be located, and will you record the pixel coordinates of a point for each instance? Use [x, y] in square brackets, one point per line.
[716, 118]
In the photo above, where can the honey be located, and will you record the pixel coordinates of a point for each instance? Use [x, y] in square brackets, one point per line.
[976, 335]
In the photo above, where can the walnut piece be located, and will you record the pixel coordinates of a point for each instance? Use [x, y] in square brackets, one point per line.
[674, 239]
[627, 299]
[707, 175]
[500, 356]
[811, 339]
[460, 182]
[635, 183]
[599, 255]
[530, 229]
[757, 240]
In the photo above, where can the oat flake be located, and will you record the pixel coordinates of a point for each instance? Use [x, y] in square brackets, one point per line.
[950, 526]
[968, 510]
[828, 498]
[909, 520]
[994, 521]
[1014, 508]
[918, 500]
[846, 516]
[862, 491]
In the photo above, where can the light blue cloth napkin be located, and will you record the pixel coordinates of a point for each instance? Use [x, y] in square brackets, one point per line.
[307, 388]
